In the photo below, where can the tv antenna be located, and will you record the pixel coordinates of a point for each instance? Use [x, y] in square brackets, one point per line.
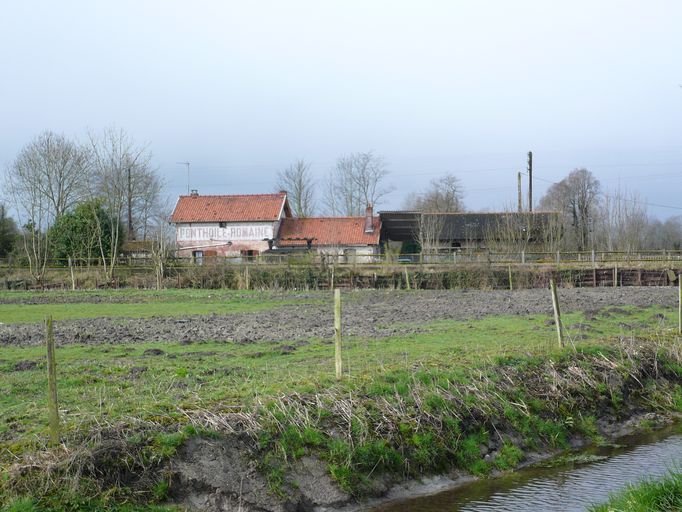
[187, 164]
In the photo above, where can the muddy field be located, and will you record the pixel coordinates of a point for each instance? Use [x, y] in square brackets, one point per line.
[365, 313]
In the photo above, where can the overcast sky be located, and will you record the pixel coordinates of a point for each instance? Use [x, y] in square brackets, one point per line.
[242, 88]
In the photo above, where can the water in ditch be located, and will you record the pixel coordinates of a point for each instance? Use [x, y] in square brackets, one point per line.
[568, 487]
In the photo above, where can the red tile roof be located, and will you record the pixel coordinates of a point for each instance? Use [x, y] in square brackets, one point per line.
[237, 208]
[328, 231]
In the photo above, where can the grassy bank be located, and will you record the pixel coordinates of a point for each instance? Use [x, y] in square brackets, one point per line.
[474, 395]
[664, 495]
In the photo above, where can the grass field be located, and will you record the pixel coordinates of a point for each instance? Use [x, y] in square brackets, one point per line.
[153, 381]
[166, 383]
[138, 304]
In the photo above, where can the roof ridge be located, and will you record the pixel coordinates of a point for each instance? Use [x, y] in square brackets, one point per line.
[235, 195]
[332, 217]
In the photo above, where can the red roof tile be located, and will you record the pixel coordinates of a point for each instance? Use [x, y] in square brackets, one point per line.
[328, 231]
[237, 208]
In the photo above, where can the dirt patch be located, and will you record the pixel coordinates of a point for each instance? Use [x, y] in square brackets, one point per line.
[136, 371]
[373, 313]
[153, 352]
[26, 365]
[221, 475]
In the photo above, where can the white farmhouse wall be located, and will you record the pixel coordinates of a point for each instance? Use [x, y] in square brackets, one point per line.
[350, 254]
[209, 236]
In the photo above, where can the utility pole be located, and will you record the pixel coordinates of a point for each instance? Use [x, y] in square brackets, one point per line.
[530, 181]
[131, 233]
[518, 175]
[187, 164]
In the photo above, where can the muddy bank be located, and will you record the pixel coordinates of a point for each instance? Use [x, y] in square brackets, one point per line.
[224, 475]
[579, 401]
[366, 313]
[587, 475]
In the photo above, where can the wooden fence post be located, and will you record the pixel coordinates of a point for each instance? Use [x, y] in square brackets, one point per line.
[53, 411]
[73, 281]
[511, 286]
[615, 275]
[679, 306]
[337, 332]
[407, 280]
[557, 313]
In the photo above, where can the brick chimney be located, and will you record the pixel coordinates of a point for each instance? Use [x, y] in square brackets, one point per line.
[369, 219]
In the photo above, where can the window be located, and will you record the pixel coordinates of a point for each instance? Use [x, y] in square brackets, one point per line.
[249, 254]
[222, 224]
[198, 257]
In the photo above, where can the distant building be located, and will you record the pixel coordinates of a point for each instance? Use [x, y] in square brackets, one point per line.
[227, 225]
[472, 230]
[345, 239]
[248, 225]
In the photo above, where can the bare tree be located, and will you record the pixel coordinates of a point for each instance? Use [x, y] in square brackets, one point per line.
[161, 236]
[114, 153]
[512, 231]
[147, 202]
[45, 180]
[623, 223]
[429, 231]
[577, 197]
[55, 167]
[444, 195]
[671, 233]
[357, 180]
[297, 181]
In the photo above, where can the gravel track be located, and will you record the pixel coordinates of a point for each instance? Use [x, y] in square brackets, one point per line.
[372, 313]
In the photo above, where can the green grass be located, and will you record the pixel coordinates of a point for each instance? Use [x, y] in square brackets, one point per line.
[113, 381]
[30, 505]
[138, 304]
[664, 495]
[118, 384]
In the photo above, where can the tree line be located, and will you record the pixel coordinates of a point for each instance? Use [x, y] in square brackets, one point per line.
[79, 200]
[607, 220]
[82, 199]
[590, 218]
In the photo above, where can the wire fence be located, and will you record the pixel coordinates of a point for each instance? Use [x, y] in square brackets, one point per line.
[317, 259]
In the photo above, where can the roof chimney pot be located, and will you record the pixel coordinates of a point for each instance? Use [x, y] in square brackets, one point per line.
[194, 193]
[369, 219]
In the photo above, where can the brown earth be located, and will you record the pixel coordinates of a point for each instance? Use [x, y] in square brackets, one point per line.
[374, 313]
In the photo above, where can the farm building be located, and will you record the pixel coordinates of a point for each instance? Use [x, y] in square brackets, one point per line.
[248, 225]
[345, 239]
[227, 225]
[471, 230]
